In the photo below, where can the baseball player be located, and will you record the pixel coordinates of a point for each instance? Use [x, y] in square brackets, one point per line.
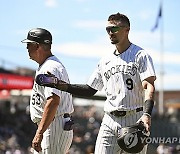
[50, 108]
[127, 76]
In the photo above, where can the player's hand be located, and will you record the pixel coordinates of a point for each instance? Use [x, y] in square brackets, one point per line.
[146, 120]
[36, 143]
[50, 80]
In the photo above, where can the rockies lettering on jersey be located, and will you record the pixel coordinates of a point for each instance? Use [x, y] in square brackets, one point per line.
[125, 69]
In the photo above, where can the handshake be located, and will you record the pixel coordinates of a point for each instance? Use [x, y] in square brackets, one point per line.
[50, 80]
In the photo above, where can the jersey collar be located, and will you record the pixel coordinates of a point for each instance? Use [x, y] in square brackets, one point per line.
[116, 53]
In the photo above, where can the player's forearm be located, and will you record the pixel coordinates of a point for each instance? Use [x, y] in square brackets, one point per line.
[149, 96]
[149, 92]
[149, 89]
[48, 116]
[81, 90]
[78, 89]
[54, 82]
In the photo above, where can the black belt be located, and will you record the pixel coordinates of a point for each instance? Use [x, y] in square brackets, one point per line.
[123, 113]
[66, 115]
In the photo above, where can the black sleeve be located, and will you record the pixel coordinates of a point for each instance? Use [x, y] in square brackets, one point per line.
[81, 90]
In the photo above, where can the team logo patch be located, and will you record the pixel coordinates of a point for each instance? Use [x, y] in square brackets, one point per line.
[131, 140]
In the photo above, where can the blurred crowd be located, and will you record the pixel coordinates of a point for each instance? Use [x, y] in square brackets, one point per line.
[164, 149]
[87, 123]
[17, 131]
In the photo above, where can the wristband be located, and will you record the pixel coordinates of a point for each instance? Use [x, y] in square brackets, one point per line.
[149, 104]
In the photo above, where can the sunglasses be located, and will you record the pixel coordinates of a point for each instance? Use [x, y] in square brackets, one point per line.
[113, 29]
[32, 44]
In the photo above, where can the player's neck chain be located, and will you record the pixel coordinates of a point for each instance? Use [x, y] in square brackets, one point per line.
[116, 53]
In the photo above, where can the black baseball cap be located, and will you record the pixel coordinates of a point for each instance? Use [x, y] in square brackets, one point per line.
[38, 35]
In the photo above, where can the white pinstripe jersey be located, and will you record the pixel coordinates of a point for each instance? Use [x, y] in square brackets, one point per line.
[121, 77]
[40, 94]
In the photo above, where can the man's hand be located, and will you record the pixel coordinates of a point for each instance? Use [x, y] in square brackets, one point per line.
[36, 143]
[50, 80]
[146, 120]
